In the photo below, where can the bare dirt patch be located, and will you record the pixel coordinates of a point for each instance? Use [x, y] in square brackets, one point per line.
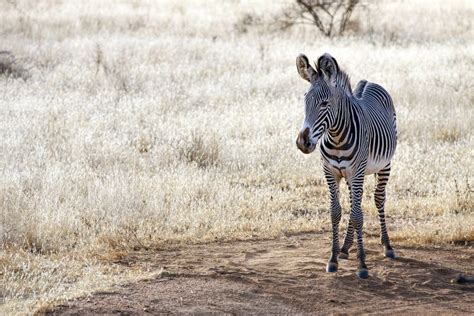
[287, 275]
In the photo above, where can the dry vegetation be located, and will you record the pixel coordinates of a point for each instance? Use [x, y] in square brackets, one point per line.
[139, 123]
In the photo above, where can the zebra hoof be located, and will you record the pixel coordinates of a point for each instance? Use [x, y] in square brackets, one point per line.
[343, 255]
[331, 267]
[363, 273]
[390, 254]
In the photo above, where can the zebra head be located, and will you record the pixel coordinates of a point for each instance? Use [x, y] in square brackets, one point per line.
[319, 100]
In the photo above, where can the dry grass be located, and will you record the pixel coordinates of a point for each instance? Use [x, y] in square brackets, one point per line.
[167, 122]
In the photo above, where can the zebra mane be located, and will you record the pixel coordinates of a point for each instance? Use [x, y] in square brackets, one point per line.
[343, 81]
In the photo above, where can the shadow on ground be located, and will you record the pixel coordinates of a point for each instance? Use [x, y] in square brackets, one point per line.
[287, 275]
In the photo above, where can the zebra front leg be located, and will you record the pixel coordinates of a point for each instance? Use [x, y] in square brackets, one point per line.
[357, 219]
[344, 254]
[333, 182]
[379, 196]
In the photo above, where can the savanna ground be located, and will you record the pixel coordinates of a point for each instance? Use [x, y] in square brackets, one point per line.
[138, 136]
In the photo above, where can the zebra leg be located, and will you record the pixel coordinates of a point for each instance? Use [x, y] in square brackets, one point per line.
[344, 254]
[382, 179]
[333, 182]
[357, 219]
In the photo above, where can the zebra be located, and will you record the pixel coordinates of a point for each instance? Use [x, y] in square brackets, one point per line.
[358, 137]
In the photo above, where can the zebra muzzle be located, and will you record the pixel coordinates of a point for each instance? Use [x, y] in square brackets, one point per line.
[303, 142]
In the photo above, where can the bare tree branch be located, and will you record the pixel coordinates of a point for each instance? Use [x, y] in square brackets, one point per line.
[324, 14]
[347, 15]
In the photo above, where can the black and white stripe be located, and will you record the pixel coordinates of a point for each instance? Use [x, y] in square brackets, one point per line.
[358, 137]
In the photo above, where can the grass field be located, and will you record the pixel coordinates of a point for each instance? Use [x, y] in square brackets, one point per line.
[128, 125]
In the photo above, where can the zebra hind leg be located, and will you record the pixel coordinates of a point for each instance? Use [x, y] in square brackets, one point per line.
[379, 196]
[344, 254]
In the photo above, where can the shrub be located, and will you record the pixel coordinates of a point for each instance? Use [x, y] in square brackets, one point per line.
[204, 153]
[9, 66]
[246, 21]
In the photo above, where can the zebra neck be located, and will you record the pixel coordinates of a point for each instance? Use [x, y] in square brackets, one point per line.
[342, 124]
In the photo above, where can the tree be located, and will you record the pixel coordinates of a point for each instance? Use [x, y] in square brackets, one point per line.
[329, 16]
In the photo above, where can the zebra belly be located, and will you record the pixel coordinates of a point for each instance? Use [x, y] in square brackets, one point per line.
[343, 169]
[341, 164]
[374, 166]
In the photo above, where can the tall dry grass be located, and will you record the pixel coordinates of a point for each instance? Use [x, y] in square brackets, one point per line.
[144, 123]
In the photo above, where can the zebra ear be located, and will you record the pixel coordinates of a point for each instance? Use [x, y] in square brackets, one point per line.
[329, 67]
[305, 70]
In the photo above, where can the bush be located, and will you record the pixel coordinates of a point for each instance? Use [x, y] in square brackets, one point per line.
[247, 21]
[9, 66]
[204, 153]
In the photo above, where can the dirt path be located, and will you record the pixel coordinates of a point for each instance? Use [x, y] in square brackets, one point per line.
[287, 275]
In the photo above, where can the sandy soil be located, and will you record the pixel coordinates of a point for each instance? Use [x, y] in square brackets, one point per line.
[287, 275]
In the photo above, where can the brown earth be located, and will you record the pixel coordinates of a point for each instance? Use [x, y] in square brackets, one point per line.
[287, 275]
